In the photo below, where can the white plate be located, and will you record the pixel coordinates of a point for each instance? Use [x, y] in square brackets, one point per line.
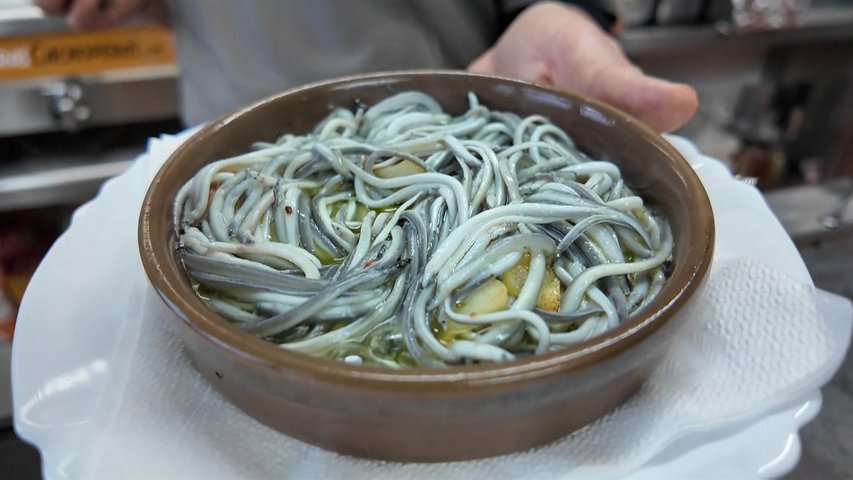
[73, 317]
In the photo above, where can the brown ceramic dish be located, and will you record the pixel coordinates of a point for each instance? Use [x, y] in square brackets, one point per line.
[422, 414]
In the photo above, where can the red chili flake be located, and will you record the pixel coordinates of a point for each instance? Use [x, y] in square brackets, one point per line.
[288, 209]
[369, 263]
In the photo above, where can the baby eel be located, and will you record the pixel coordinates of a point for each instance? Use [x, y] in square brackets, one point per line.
[401, 235]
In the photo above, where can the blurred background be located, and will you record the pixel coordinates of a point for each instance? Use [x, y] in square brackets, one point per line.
[775, 81]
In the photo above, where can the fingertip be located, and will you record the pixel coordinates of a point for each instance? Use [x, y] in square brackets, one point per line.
[665, 106]
[75, 22]
[689, 98]
[682, 104]
[84, 14]
[51, 7]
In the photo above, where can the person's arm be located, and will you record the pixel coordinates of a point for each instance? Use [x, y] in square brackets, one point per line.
[561, 45]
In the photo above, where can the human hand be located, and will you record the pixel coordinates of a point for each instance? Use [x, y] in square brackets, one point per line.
[90, 14]
[561, 46]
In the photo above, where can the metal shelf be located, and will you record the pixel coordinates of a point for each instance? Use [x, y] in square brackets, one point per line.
[25, 19]
[111, 98]
[63, 168]
[819, 25]
[59, 186]
[52, 155]
[802, 210]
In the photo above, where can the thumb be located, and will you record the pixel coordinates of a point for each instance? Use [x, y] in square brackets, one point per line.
[485, 63]
[663, 105]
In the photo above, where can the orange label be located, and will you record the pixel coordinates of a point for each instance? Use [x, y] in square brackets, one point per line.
[64, 54]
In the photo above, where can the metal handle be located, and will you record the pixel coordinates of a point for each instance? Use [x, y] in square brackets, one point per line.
[832, 220]
[67, 105]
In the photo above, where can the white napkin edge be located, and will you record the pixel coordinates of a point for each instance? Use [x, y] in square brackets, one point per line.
[161, 148]
[837, 312]
[145, 166]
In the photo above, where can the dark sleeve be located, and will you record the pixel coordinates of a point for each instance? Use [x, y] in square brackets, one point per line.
[599, 10]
